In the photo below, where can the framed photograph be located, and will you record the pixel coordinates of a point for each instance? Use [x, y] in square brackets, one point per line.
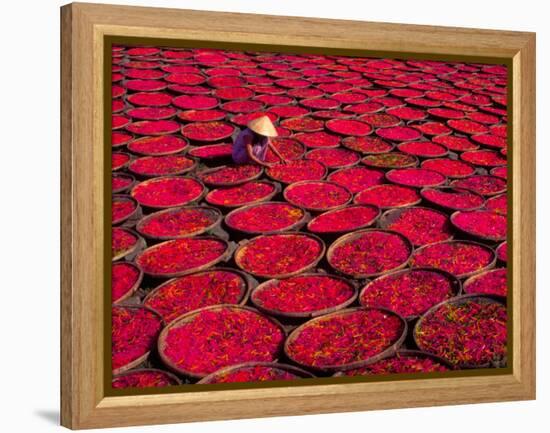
[266, 215]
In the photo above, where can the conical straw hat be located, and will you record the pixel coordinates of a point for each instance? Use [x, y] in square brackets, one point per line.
[263, 126]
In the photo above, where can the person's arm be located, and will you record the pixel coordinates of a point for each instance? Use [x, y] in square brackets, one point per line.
[276, 152]
[253, 157]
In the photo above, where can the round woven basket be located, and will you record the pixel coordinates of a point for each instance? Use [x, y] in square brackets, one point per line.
[294, 226]
[334, 167]
[172, 377]
[449, 188]
[242, 245]
[222, 258]
[390, 350]
[142, 358]
[128, 254]
[190, 202]
[409, 352]
[354, 235]
[249, 284]
[458, 300]
[314, 209]
[308, 314]
[131, 215]
[125, 188]
[343, 231]
[467, 274]
[132, 289]
[161, 343]
[475, 277]
[473, 235]
[215, 214]
[414, 163]
[392, 215]
[211, 378]
[235, 183]
[277, 189]
[370, 188]
[150, 175]
[456, 285]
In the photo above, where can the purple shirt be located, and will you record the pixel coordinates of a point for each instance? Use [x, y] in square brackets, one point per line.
[245, 137]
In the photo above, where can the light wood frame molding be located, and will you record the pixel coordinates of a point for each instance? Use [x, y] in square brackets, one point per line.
[83, 401]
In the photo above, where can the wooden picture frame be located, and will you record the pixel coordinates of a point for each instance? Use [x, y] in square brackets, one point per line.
[84, 27]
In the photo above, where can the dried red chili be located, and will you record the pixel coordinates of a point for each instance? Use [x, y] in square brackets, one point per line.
[502, 252]
[119, 160]
[401, 362]
[163, 145]
[493, 282]
[296, 171]
[191, 292]
[484, 158]
[490, 140]
[153, 127]
[388, 196]
[212, 151]
[180, 222]
[167, 191]
[452, 142]
[317, 195]
[150, 99]
[243, 107]
[121, 182]
[344, 220]
[265, 217]
[433, 128]
[124, 277]
[122, 241]
[240, 195]
[467, 126]
[482, 223]
[460, 258]
[151, 113]
[349, 127]
[217, 337]
[449, 167]
[134, 331]
[482, 184]
[369, 252]
[344, 339]
[408, 293]
[250, 373]
[453, 198]
[415, 177]
[420, 225]
[201, 115]
[399, 133]
[390, 160]
[367, 145]
[122, 207]
[303, 294]
[161, 165]
[468, 332]
[317, 139]
[334, 158]
[423, 149]
[279, 254]
[207, 131]
[289, 148]
[356, 179]
[144, 379]
[231, 174]
[180, 256]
